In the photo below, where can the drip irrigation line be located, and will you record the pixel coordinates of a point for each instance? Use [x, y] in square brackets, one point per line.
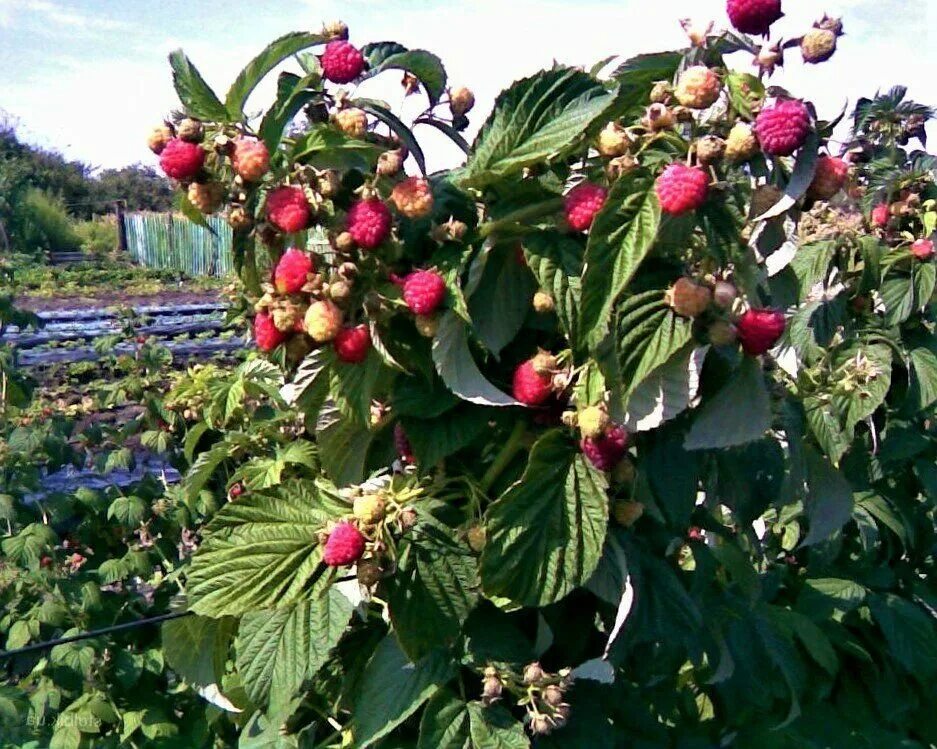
[93, 633]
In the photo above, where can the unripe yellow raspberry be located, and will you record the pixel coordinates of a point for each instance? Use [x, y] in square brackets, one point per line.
[593, 421]
[158, 138]
[352, 121]
[461, 101]
[741, 144]
[323, 321]
[818, 45]
[698, 87]
[369, 508]
[206, 196]
[710, 149]
[613, 141]
[543, 302]
[413, 197]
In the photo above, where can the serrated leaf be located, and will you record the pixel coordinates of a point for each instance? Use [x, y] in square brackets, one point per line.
[261, 551]
[502, 300]
[545, 533]
[668, 391]
[343, 450]
[445, 723]
[293, 93]
[740, 412]
[393, 688]
[536, 118]
[255, 71]
[377, 109]
[278, 650]
[924, 370]
[639, 359]
[829, 498]
[432, 590]
[805, 167]
[620, 238]
[128, 511]
[556, 262]
[909, 631]
[196, 647]
[495, 728]
[196, 95]
[824, 423]
[457, 367]
[435, 439]
[376, 52]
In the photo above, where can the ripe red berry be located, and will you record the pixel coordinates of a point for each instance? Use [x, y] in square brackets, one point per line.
[344, 545]
[530, 387]
[341, 62]
[753, 16]
[582, 203]
[681, 188]
[288, 209]
[291, 272]
[369, 223]
[783, 127]
[236, 490]
[880, 215]
[352, 344]
[424, 291]
[606, 450]
[266, 334]
[759, 329]
[923, 249]
[181, 159]
[829, 178]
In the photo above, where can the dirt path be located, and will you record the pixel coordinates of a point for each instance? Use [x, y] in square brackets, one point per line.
[42, 304]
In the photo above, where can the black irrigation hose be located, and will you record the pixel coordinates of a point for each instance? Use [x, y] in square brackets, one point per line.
[93, 633]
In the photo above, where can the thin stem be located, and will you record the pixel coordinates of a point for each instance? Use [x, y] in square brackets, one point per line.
[536, 210]
[514, 443]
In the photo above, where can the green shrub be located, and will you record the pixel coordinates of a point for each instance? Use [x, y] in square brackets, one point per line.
[98, 236]
[40, 223]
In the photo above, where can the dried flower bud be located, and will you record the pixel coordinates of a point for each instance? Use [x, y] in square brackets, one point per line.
[533, 673]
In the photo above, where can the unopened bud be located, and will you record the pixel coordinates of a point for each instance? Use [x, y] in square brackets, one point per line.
[533, 673]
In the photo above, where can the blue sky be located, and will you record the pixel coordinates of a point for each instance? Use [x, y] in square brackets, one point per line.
[90, 77]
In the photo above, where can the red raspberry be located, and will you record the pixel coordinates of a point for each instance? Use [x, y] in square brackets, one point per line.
[352, 344]
[923, 249]
[880, 215]
[753, 16]
[783, 127]
[402, 444]
[341, 62]
[530, 387]
[265, 332]
[582, 203]
[829, 179]
[236, 490]
[250, 159]
[292, 270]
[369, 223]
[759, 329]
[424, 291]
[681, 188]
[287, 209]
[344, 545]
[607, 450]
[181, 159]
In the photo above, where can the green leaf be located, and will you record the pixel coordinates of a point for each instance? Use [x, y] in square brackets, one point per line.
[196, 95]
[376, 52]
[898, 297]
[829, 498]
[805, 167]
[457, 367]
[740, 412]
[435, 439]
[293, 93]
[545, 533]
[668, 391]
[861, 402]
[639, 359]
[352, 387]
[495, 728]
[343, 450]
[643, 71]
[278, 650]
[556, 262]
[924, 371]
[811, 264]
[261, 551]
[824, 423]
[196, 647]
[424, 65]
[27, 546]
[377, 109]
[744, 90]
[128, 511]
[257, 69]
[392, 689]
[445, 723]
[536, 118]
[433, 589]
[620, 238]
[910, 633]
[502, 300]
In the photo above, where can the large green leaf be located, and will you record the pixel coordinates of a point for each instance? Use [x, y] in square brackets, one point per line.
[545, 533]
[278, 650]
[668, 391]
[829, 498]
[435, 439]
[262, 551]
[457, 367]
[196, 647]
[255, 71]
[638, 359]
[740, 412]
[293, 93]
[393, 689]
[910, 632]
[445, 723]
[433, 589]
[536, 118]
[502, 298]
[620, 238]
[424, 65]
[495, 728]
[924, 369]
[196, 95]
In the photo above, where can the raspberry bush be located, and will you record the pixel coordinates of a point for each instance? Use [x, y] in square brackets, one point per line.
[618, 434]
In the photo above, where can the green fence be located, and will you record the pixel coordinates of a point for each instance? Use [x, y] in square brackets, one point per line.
[164, 240]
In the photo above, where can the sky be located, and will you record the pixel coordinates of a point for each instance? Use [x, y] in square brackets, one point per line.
[90, 77]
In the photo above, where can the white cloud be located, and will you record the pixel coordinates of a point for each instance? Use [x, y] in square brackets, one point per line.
[51, 17]
[112, 103]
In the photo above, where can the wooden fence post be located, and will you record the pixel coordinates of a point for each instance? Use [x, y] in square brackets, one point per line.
[121, 228]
